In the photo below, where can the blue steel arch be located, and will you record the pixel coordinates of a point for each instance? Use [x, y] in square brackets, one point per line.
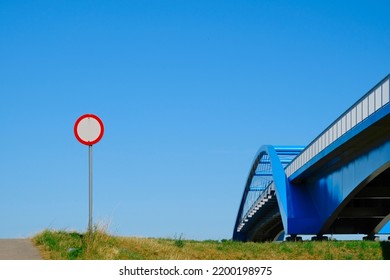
[265, 191]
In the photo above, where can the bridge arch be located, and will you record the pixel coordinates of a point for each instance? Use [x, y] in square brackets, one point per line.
[265, 194]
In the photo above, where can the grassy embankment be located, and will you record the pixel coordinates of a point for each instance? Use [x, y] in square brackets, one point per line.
[62, 245]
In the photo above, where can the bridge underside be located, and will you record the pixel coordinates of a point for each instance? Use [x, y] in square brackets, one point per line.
[367, 211]
[267, 223]
[269, 230]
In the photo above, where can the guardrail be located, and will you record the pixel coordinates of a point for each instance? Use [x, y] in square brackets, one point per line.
[374, 100]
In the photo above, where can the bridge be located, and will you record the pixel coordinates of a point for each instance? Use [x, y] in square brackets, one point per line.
[338, 184]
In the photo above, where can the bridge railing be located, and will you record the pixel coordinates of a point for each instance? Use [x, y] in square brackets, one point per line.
[374, 100]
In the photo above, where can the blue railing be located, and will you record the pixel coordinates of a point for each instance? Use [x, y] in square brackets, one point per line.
[374, 100]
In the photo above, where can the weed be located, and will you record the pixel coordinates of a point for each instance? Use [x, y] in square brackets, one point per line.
[329, 256]
[75, 253]
[48, 239]
[308, 247]
[363, 244]
[348, 257]
[285, 248]
[179, 242]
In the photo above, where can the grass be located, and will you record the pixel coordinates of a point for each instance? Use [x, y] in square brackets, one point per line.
[98, 245]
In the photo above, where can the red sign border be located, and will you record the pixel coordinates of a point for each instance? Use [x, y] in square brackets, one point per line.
[89, 143]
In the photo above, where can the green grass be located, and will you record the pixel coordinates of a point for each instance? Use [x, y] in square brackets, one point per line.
[63, 245]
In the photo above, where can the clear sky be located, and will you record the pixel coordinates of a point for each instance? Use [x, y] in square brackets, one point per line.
[187, 90]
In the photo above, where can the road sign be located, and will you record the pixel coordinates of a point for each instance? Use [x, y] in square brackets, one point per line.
[89, 129]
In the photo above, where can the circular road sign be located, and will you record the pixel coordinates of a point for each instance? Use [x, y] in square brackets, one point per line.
[89, 129]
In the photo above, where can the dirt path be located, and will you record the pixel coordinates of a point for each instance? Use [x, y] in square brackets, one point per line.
[18, 249]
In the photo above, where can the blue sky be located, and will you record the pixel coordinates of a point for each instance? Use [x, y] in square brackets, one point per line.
[187, 90]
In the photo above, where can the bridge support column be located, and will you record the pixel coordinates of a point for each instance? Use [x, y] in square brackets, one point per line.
[371, 237]
[293, 238]
[319, 237]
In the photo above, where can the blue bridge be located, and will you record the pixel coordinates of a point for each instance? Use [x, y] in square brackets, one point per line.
[338, 184]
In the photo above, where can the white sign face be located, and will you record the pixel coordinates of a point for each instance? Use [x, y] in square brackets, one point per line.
[89, 129]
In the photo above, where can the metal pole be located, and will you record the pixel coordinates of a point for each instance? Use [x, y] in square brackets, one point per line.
[90, 190]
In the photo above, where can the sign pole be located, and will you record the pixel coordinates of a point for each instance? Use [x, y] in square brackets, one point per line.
[90, 189]
[89, 129]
